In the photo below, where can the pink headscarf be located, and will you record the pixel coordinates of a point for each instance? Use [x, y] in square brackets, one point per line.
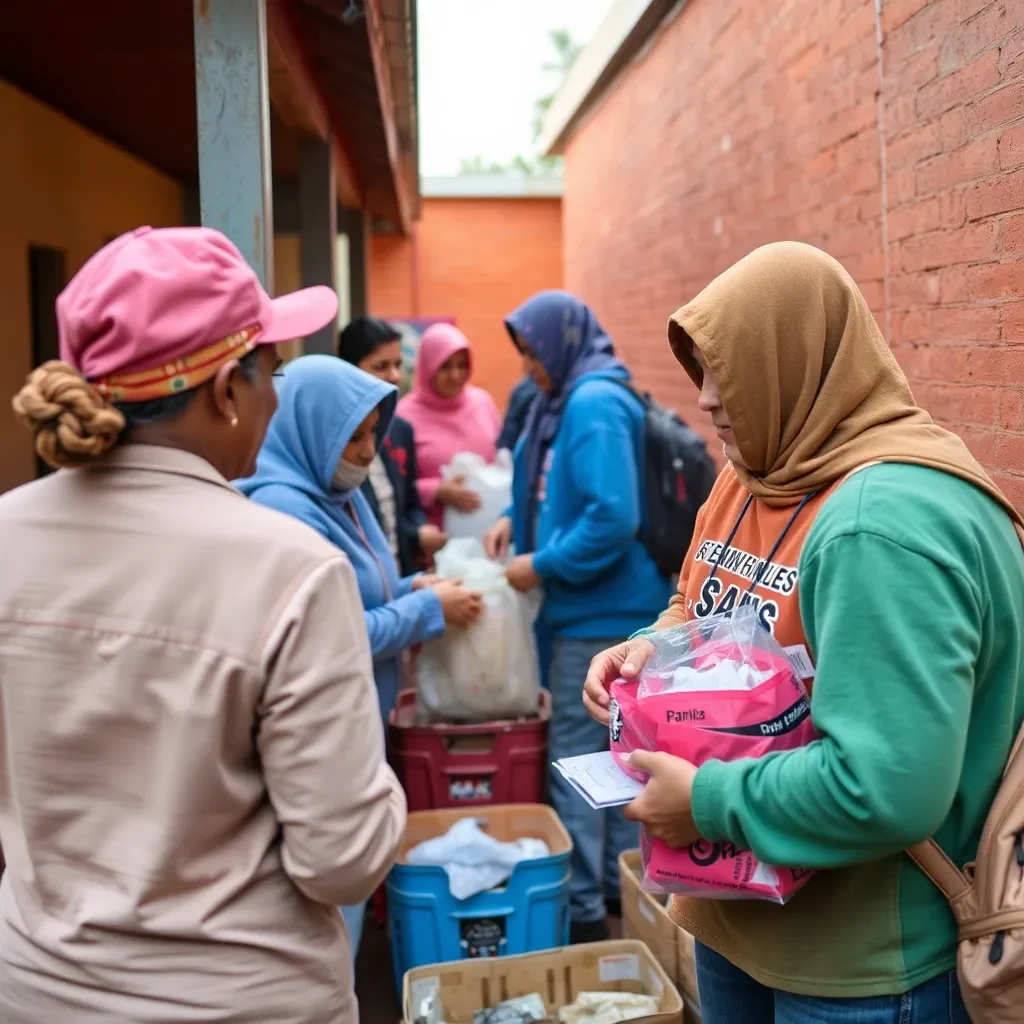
[444, 426]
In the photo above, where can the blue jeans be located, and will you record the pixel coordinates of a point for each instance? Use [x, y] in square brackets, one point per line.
[353, 917]
[542, 635]
[729, 996]
[598, 836]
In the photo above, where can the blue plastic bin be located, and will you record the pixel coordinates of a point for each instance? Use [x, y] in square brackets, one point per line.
[530, 912]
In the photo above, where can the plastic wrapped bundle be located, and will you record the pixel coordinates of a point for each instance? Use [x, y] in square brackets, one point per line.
[720, 688]
[491, 482]
[490, 670]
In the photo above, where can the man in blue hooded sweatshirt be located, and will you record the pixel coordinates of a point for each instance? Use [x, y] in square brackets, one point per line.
[330, 423]
[577, 507]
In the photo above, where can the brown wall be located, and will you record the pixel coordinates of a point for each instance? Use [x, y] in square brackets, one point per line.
[64, 187]
[898, 147]
[478, 259]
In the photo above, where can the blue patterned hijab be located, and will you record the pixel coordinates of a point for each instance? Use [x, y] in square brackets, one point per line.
[565, 336]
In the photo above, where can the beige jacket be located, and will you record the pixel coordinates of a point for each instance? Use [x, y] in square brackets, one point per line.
[192, 773]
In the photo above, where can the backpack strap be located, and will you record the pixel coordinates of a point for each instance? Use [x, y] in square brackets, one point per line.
[942, 872]
[641, 396]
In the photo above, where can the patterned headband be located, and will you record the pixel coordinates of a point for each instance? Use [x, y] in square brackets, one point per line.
[182, 375]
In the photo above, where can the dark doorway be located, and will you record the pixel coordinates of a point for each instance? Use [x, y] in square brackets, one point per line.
[46, 281]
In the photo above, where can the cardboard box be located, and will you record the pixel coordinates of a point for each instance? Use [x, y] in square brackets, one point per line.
[558, 975]
[645, 917]
[686, 978]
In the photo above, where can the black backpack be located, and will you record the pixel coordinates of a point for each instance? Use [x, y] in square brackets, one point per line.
[678, 475]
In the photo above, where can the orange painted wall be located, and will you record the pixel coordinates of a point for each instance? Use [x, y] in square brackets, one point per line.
[478, 259]
[63, 186]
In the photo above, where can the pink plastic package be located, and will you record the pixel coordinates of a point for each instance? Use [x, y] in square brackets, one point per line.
[718, 689]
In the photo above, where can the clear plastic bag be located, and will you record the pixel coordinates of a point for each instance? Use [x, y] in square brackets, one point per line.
[720, 688]
[492, 483]
[490, 670]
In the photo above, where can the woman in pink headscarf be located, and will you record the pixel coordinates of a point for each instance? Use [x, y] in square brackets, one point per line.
[449, 415]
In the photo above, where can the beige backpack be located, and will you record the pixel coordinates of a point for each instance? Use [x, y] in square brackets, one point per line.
[987, 898]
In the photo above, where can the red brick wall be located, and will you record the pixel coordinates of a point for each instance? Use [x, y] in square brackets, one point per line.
[898, 147]
[478, 259]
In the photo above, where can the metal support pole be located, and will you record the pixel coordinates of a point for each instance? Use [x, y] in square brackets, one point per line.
[233, 115]
[318, 226]
[357, 227]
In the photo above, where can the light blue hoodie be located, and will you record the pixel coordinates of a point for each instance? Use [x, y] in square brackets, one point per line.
[322, 402]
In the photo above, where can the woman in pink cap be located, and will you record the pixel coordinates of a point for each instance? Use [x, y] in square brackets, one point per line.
[192, 772]
[449, 415]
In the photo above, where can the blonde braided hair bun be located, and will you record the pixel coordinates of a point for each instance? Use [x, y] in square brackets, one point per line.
[71, 422]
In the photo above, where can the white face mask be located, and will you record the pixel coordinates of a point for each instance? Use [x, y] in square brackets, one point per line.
[349, 477]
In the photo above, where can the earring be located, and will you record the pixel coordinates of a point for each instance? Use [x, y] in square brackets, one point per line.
[234, 421]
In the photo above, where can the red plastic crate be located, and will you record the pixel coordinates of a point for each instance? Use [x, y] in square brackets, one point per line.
[379, 906]
[462, 765]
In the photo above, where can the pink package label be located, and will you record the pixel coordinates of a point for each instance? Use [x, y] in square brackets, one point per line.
[725, 726]
[717, 871]
[626, 731]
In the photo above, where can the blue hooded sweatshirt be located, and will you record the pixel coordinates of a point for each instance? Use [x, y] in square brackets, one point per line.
[322, 402]
[577, 488]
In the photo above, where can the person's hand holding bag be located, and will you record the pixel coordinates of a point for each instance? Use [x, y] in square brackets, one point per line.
[665, 807]
[431, 539]
[623, 661]
[521, 575]
[455, 493]
[498, 538]
[461, 607]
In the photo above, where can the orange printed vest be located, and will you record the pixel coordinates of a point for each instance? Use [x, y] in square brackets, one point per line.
[742, 575]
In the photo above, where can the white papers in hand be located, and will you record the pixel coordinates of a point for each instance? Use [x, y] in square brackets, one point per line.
[599, 780]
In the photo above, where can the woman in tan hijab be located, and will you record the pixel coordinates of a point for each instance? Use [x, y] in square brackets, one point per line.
[869, 539]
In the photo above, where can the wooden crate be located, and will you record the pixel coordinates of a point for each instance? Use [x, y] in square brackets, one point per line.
[558, 975]
[645, 917]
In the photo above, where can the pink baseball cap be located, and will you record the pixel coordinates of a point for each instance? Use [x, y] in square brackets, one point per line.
[160, 310]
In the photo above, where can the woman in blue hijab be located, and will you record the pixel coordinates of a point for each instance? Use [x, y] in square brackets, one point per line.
[330, 423]
[577, 507]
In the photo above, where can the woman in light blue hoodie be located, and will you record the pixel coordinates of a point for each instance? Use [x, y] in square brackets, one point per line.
[331, 420]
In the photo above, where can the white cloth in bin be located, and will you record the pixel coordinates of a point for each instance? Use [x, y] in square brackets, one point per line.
[473, 860]
[608, 1008]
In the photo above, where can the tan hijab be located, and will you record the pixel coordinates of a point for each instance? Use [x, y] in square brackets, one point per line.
[810, 386]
